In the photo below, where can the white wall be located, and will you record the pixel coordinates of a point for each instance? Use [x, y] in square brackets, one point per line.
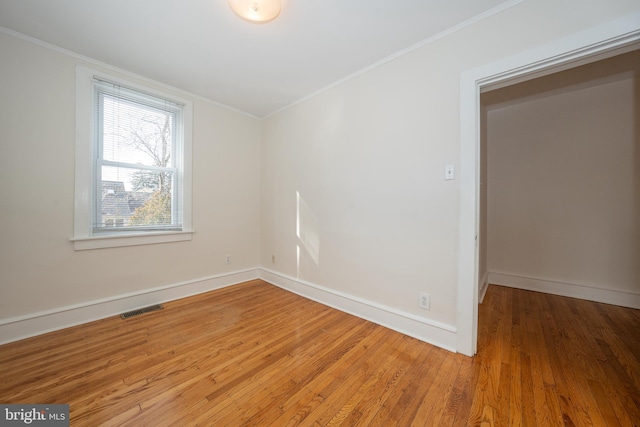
[39, 270]
[368, 158]
[564, 182]
[379, 223]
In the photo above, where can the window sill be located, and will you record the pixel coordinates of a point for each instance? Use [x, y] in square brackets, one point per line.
[115, 241]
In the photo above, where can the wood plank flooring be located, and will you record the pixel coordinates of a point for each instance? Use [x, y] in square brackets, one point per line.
[256, 355]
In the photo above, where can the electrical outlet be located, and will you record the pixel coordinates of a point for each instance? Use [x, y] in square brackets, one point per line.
[227, 259]
[424, 300]
[273, 259]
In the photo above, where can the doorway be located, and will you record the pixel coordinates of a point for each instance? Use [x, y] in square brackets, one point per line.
[598, 43]
[559, 181]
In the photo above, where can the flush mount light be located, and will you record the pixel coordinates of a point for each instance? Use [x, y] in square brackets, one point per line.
[256, 10]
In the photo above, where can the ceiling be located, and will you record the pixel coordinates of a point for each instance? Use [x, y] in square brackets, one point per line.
[202, 47]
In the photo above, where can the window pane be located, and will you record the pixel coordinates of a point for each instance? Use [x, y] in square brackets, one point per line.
[136, 133]
[136, 176]
[133, 198]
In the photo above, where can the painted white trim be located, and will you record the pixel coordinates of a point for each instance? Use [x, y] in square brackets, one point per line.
[437, 333]
[484, 285]
[114, 69]
[424, 329]
[427, 330]
[494, 11]
[491, 12]
[83, 200]
[574, 290]
[573, 49]
[111, 241]
[17, 328]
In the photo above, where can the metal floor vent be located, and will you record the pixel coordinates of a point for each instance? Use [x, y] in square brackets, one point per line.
[141, 311]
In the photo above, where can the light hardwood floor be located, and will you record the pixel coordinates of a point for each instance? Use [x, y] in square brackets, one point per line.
[254, 354]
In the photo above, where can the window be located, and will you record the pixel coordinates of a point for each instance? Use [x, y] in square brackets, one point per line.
[133, 148]
[137, 143]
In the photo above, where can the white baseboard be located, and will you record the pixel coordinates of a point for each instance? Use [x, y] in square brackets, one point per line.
[17, 328]
[482, 287]
[573, 290]
[433, 332]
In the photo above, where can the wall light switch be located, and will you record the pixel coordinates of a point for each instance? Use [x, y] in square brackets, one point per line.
[449, 172]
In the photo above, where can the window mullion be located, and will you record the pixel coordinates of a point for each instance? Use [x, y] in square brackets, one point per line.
[104, 162]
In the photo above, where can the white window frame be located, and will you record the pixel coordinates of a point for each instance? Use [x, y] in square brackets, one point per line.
[84, 237]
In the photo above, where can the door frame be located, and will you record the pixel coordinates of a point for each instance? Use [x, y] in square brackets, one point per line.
[605, 40]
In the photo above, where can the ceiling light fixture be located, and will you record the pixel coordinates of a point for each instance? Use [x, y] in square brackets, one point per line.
[256, 10]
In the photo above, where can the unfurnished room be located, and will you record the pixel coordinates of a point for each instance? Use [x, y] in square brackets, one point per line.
[320, 213]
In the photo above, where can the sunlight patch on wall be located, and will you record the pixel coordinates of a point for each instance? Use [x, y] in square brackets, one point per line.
[307, 232]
